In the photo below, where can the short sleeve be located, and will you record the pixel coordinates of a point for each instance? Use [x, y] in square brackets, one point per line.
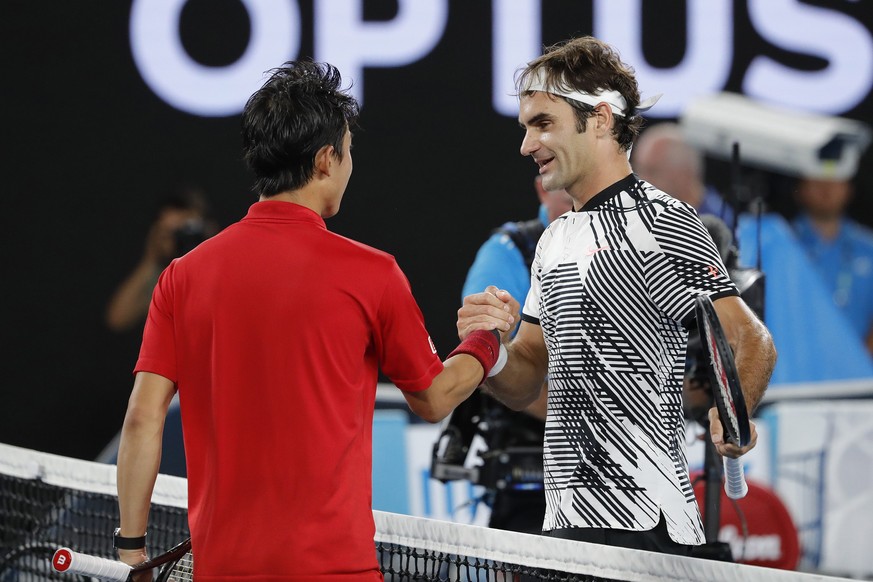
[406, 352]
[687, 265]
[530, 311]
[158, 351]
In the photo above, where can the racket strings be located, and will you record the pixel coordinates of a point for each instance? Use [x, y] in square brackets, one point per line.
[721, 376]
[181, 570]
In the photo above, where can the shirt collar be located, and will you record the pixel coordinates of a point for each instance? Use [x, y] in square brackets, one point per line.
[624, 185]
[281, 211]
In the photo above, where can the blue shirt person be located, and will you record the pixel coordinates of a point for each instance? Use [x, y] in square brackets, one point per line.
[840, 249]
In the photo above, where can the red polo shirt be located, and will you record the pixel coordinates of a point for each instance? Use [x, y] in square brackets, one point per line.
[274, 331]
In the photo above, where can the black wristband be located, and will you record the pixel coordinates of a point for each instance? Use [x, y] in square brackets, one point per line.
[122, 543]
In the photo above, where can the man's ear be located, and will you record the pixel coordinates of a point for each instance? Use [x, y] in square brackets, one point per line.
[602, 117]
[324, 159]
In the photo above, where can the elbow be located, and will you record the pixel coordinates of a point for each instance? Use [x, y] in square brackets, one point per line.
[434, 418]
[516, 401]
[770, 347]
[428, 405]
[774, 355]
[428, 412]
[520, 405]
[118, 321]
[113, 321]
[143, 420]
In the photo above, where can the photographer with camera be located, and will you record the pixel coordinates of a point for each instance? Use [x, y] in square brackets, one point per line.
[179, 226]
[511, 471]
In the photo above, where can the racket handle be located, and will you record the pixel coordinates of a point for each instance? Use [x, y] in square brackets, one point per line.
[735, 481]
[66, 560]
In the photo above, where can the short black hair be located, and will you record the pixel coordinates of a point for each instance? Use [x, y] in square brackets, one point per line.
[300, 109]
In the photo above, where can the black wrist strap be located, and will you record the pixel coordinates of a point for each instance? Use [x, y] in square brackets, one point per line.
[122, 543]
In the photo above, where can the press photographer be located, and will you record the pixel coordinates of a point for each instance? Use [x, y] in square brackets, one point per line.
[180, 224]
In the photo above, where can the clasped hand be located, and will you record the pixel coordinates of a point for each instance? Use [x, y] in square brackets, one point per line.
[491, 309]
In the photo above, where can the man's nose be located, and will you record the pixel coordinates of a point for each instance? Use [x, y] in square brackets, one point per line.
[528, 145]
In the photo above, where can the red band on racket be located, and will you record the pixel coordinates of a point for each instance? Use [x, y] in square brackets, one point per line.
[482, 345]
[62, 559]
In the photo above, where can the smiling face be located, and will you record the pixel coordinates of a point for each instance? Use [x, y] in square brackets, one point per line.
[552, 139]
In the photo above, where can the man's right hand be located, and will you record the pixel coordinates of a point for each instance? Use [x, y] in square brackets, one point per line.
[491, 309]
[134, 558]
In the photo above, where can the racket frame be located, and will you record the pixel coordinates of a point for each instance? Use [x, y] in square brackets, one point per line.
[737, 428]
[712, 334]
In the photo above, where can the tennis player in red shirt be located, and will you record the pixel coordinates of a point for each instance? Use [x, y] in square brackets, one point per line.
[273, 333]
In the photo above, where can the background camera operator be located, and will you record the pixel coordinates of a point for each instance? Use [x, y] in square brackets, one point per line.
[512, 470]
[180, 225]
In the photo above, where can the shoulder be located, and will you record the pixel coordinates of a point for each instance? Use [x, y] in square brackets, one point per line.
[355, 250]
[551, 232]
[497, 252]
[501, 241]
[663, 211]
[663, 201]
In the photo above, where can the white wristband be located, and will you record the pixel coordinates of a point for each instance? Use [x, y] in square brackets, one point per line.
[501, 361]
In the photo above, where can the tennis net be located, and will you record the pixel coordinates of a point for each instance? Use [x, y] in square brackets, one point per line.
[48, 501]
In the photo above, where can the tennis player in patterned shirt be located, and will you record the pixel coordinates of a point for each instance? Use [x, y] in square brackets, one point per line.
[612, 293]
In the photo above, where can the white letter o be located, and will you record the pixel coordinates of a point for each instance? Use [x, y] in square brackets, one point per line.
[210, 91]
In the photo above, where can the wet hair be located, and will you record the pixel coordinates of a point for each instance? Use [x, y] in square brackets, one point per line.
[300, 109]
[590, 65]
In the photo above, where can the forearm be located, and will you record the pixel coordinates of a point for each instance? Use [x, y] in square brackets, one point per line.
[139, 451]
[139, 459]
[131, 301]
[520, 383]
[539, 407]
[461, 375]
[755, 358]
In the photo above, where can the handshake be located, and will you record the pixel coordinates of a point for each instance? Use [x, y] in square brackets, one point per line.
[485, 323]
[485, 317]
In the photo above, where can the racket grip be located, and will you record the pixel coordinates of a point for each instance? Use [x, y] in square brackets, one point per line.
[735, 481]
[66, 560]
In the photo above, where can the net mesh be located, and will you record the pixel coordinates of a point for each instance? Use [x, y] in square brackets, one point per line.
[47, 502]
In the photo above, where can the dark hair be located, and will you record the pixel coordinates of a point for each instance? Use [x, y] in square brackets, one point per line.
[590, 65]
[299, 110]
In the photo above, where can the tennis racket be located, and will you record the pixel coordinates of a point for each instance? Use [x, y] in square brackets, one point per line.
[726, 391]
[176, 565]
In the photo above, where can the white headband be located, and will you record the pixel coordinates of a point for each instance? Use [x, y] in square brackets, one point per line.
[614, 99]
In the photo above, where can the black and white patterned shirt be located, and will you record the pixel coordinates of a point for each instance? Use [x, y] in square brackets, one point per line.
[613, 288]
